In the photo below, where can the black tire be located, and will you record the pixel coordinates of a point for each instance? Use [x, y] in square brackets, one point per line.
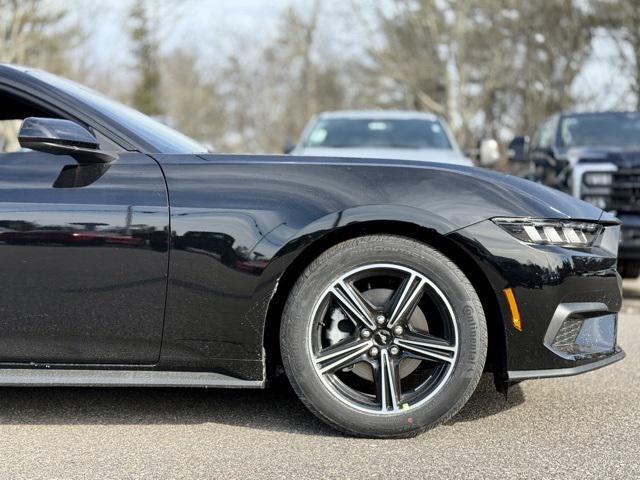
[298, 323]
[629, 270]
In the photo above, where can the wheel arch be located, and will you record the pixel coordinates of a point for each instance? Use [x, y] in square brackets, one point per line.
[497, 348]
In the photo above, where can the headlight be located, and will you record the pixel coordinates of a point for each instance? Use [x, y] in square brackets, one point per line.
[600, 201]
[597, 188]
[566, 233]
[597, 179]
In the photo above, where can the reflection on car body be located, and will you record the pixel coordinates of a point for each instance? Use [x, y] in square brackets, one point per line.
[384, 287]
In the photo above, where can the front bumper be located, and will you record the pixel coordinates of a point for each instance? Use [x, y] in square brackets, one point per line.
[519, 375]
[549, 283]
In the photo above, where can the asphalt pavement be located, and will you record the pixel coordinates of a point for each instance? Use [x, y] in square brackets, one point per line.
[581, 427]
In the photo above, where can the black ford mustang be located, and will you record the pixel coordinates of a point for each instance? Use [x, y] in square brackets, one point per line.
[131, 257]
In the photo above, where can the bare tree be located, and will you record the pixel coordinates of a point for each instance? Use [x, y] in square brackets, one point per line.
[36, 33]
[272, 95]
[483, 65]
[145, 49]
[621, 19]
[490, 67]
[193, 103]
[408, 56]
[525, 59]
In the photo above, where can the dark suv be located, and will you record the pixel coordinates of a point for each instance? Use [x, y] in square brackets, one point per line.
[595, 157]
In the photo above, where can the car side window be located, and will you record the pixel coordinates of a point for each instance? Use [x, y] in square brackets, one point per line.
[535, 139]
[9, 136]
[14, 109]
[546, 135]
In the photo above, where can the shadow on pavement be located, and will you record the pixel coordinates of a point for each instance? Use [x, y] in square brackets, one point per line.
[486, 401]
[276, 409]
[631, 289]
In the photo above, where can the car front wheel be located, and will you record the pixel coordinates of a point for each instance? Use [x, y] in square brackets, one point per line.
[383, 336]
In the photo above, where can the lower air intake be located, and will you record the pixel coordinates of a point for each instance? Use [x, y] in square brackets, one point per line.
[580, 330]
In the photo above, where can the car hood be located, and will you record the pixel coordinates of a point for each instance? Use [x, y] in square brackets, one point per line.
[540, 198]
[622, 157]
[450, 156]
[457, 195]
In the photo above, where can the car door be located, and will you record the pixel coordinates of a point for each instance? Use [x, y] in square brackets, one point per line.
[83, 259]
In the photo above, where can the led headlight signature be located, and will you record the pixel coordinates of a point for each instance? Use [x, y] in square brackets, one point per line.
[567, 233]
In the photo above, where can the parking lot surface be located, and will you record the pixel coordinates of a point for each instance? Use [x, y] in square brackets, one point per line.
[573, 428]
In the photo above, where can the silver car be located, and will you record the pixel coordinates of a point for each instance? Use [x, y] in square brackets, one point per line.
[403, 135]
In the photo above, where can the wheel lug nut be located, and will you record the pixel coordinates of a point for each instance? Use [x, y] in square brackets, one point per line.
[394, 350]
[380, 319]
[374, 351]
[398, 330]
[365, 333]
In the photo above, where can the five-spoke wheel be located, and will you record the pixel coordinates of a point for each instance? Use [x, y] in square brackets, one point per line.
[390, 326]
[383, 336]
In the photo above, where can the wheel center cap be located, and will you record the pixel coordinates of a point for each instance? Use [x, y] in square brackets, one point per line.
[383, 337]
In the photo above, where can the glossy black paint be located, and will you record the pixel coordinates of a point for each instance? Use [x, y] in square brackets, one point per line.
[35, 131]
[84, 259]
[239, 222]
[542, 277]
[216, 237]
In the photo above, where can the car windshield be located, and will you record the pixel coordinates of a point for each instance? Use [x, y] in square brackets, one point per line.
[600, 129]
[378, 133]
[162, 137]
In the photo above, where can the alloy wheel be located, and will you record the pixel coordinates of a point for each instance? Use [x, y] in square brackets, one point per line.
[383, 338]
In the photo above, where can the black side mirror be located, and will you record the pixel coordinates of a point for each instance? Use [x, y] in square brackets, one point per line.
[288, 147]
[62, 137]
[517, 149]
